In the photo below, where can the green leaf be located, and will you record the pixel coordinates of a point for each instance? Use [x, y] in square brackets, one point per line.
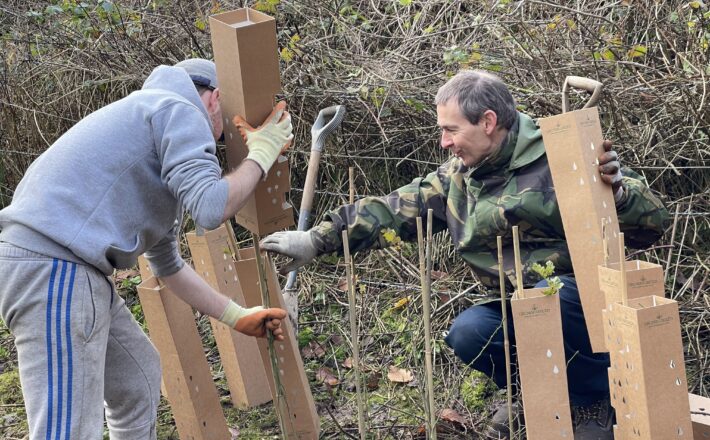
[107, 6]
[637, 51]
[53, 9]
[405, 2]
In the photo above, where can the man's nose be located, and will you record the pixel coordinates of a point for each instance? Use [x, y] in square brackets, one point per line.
[446, 141]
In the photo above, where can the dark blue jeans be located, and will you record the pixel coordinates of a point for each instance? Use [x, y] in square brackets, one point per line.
[477, 339]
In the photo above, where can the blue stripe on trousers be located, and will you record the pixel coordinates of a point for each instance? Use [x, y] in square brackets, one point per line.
[48, 330]
[60, 377]
[70, 368]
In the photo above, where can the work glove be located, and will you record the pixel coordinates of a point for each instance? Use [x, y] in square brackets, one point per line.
[610, 170]
[297, 245]
[254, 321]
[270, 139]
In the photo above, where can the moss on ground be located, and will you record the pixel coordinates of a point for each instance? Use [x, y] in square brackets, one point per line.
[13, 419]
[477, 390]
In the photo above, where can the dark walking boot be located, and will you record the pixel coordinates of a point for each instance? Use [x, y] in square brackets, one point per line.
[593, 422]
[498, 426]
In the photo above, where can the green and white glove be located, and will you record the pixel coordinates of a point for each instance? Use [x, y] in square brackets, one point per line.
[297, 245]
[270, 139]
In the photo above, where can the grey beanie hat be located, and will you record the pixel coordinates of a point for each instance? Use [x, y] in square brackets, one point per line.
[202, 72]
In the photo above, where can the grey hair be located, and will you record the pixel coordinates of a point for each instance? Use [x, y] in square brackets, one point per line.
[477, 91]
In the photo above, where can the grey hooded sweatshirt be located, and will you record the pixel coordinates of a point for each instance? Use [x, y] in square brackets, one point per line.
[113, 186]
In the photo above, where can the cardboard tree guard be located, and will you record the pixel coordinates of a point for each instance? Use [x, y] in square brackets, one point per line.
[301, 421]
[647, 375]
[542, 365]
[642, 279]
[188, 383]
[700, 416]
[246, 56]
[246, 377]
[573, 143]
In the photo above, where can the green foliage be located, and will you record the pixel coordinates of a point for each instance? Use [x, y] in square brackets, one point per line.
[553, 283]
[267, 6]
[305, 335]
[477, 390]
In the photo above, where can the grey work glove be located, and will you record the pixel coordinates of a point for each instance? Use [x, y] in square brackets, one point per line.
[297, 245]
[610, 170]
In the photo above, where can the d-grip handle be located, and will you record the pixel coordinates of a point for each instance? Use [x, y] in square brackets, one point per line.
[592, 86]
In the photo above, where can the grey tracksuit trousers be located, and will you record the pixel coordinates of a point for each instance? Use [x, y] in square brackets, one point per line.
[80, 351]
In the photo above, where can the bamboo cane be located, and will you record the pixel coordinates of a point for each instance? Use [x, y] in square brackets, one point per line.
[518, 268]
[427, 320]
[506, 341]
[280, 398]
[425, 277]
[349, 273]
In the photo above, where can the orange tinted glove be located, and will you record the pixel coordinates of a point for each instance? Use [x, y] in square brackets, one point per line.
[254, 321]
[270, 139]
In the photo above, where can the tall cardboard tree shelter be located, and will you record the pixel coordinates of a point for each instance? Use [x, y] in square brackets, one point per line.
[573, 143]
[541, 360]
[647, 374]
[293, 400]
[246, 55]
[187, 381]
[700, 416]
[212, 257]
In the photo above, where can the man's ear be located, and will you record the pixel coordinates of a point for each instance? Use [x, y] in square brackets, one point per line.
[214, 100]
[490, 121]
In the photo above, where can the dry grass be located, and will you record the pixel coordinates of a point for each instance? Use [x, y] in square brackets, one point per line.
[384, 60]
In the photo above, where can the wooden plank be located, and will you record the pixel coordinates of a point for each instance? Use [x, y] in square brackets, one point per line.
[188, 383]
[241, 361]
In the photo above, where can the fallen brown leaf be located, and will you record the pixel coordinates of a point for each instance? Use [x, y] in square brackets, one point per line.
[373, 381]
[399, 375]
[450, 415]
[313, 350]
[326, 376]
[438, 274]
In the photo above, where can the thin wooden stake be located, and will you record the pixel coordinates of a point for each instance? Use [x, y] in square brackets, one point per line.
[280, 392]
[518, 268]
[506, 341]
[622, 269]
[425, 249]
[349, 274]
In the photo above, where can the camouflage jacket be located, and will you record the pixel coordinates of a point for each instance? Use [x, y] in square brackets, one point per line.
[511, 187]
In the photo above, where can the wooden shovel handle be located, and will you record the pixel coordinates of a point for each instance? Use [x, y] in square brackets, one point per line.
[592, 86]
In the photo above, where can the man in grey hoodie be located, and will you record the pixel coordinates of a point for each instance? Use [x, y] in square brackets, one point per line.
[113, 187]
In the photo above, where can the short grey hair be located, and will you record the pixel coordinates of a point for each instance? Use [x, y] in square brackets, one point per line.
[477, 91]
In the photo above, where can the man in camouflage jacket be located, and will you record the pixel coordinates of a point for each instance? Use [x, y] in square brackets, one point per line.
[498, 177]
